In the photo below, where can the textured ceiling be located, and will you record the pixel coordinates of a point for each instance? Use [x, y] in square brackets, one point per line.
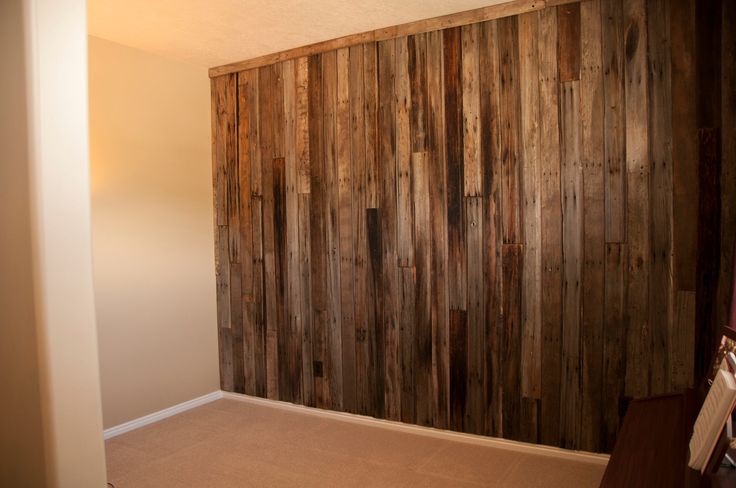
[214, 32]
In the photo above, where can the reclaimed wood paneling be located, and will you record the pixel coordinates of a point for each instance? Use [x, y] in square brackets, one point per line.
[491, 227]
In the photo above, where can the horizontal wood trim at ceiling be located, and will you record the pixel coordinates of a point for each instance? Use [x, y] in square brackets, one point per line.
[482, 14]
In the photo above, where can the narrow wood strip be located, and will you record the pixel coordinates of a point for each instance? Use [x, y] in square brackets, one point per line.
[614, 341]
[405, 236]
[390, 277]
[511, 349]
[437, 23]
[490, 121]
[508, 56]
[637, 199]
[302, 123]
[572, 262]
[236, 332]
[370, 116]
[452, 57]
[661, 296]
[684, 143]
[225, 347]
[550, 231]
[375, 309]
[531, 351]
[476, 321]
[318, 249]
[592, 292]
[407, 324]
[471, 111]
[681, 346]
[422, 314]
[438, 220]
[259, 303]
[614, 120]
[305, 305]
[285, 337]
[332, 229]
[458, 341]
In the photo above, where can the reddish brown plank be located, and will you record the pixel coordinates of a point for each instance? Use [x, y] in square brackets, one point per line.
[511, 347]
[568, 45]
[458, 342]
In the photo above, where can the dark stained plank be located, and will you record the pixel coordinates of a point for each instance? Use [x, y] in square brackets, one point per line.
[458, 341]
[236, 330]
[407, 324]
[285, 336]
[374, 311]
[531, 320]
[436, 167]
[476, 321]
[511, 345]
[345, 223]
[370, 117]
[471, 111]
[452, 58]
[682, 352]
[417, 71]
[332, 228]
[592, 292]
[318, 248]
[614, 120]
[390, 273]
[550, 230]
[259, 303]
[422, 299]
[660, 192]
[510, 109]
[638, 355]
[305, 304]
[489, 86]
[225, 347]
[405, 235]
[684, 142]
[572, 262]
[614, 341]
[568, 45]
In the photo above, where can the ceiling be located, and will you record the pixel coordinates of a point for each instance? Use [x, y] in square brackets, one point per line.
[210, 33]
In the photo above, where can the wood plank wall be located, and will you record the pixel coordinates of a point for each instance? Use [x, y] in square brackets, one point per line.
[491, 228]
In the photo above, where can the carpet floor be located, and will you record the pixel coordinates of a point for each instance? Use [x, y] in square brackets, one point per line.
[228, 443]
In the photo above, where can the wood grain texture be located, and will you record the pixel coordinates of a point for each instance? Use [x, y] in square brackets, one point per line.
[489, 226]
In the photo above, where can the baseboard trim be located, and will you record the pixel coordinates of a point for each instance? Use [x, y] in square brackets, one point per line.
[584, 456]
[161, 414]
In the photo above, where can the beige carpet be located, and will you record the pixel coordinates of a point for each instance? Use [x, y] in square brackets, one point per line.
[229, 443]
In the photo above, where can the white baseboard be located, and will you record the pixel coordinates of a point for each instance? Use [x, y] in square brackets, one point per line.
[161, 414]
[580, 456]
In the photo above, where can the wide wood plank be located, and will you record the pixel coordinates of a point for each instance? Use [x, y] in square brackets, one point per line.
[471, 111]
[550, 231]
[476, 320]
[374, 311]
[436, 168]
[637, 199]
[572, 262]
[390, 276]
[568, 45]
[458, 342]
[592, 292]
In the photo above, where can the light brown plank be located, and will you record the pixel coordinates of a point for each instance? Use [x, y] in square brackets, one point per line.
[301, 74]
[471, 111]
[305, 304]
[405, 236]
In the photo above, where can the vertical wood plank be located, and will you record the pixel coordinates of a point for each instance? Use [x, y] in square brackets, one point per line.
[660, 192]
[550, 231]
[614, 120]
[489, 87]
[284, 336]
[436, 167]
[301, 75]
[318, 250]
[637, 200]
[508, 55]
[511, 348]
[572, 262]
[568, 45]
[684, 142]
[405, 236]
[375, 310]
[305, 305]
[390, 277]
[471, 111]
[407, 324]
[259, 304]
[531, 281]
[236, 330]
[681, 347]
[370, 116]
[476, 320]
[345, 222]
[452, 58]
[458, 368]
[332, 228]
[614, 342]
[592, 292]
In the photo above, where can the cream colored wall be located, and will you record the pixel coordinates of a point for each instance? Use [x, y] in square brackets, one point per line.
[51, 427]
[152, 230]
